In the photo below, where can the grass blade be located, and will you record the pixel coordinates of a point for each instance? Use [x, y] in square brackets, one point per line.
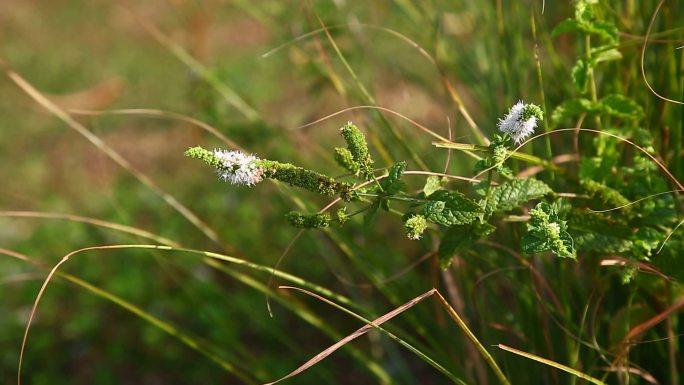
[556, 365]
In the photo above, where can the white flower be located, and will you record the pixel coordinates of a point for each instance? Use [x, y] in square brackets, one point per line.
[520, 121]
[239, 168]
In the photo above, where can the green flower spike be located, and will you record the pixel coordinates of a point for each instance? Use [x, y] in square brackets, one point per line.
[415, 227]
[358, 148]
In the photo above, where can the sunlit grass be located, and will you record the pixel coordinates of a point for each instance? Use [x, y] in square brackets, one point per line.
[426, 82]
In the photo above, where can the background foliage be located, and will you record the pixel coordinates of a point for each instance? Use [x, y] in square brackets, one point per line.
[95, 55]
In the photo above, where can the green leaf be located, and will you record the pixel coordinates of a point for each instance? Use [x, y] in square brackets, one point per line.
[601, 54]
[605, 194]
[605, 29]
[455, 238]
[569, 25]
[459, 237]
[584, 22]
[393, 184]
[451, 208]
[432, 184]
[371, 213]
[572, 107]
[601, 243]
[621, 107]
[580, 75]
[514, 193]
[531, 244]
[596, 232]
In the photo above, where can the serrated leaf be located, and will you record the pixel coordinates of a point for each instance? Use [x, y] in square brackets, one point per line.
[580, 75]
[621, 107]
[514, 193]
[432, 184]
[535, 244]
[458, 237]
[451, 208]
[572, 108]
[569, 25]
[605, 194]
[393, 184]
[605, 29]
[596, 232]
[455, 238]
[568, 246]
[531, 244]
[586, 221]
[601, 243]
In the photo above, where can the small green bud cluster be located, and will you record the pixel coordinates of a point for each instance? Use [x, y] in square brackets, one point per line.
[318, 220]
[307, 179]
[312, 221]
[415, 226]
[342, 216]
[358, 149]
[532, 111]
[205, 155]
[344, 158]
[499, 153]
[546, 231]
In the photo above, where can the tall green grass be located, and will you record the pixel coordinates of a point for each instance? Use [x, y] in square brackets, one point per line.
[161, 273]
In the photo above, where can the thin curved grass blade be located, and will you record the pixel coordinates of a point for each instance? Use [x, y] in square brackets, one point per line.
[193, 343]
[554, 364]
[39, 98]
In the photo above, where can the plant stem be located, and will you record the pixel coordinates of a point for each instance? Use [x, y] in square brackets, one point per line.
[392, 197]
[592, 80]
[515, 155]
[540, 79]
[488, 194]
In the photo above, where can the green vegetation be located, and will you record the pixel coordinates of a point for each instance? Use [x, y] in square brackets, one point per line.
[420, 191]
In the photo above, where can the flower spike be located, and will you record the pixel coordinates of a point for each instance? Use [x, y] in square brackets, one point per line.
[520, 121]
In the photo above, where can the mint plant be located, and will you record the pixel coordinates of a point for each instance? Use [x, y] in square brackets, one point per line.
[560, 243]
[599, 211]
[460, 219]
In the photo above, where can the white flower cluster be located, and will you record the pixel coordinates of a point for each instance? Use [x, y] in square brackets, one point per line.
[520, 122]
[239, 168]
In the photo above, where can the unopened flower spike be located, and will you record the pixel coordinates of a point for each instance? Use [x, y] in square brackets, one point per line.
[361, 161]
[521, 121]
[313, 221]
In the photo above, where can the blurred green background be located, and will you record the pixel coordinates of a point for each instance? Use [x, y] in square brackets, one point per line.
[101, 55]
